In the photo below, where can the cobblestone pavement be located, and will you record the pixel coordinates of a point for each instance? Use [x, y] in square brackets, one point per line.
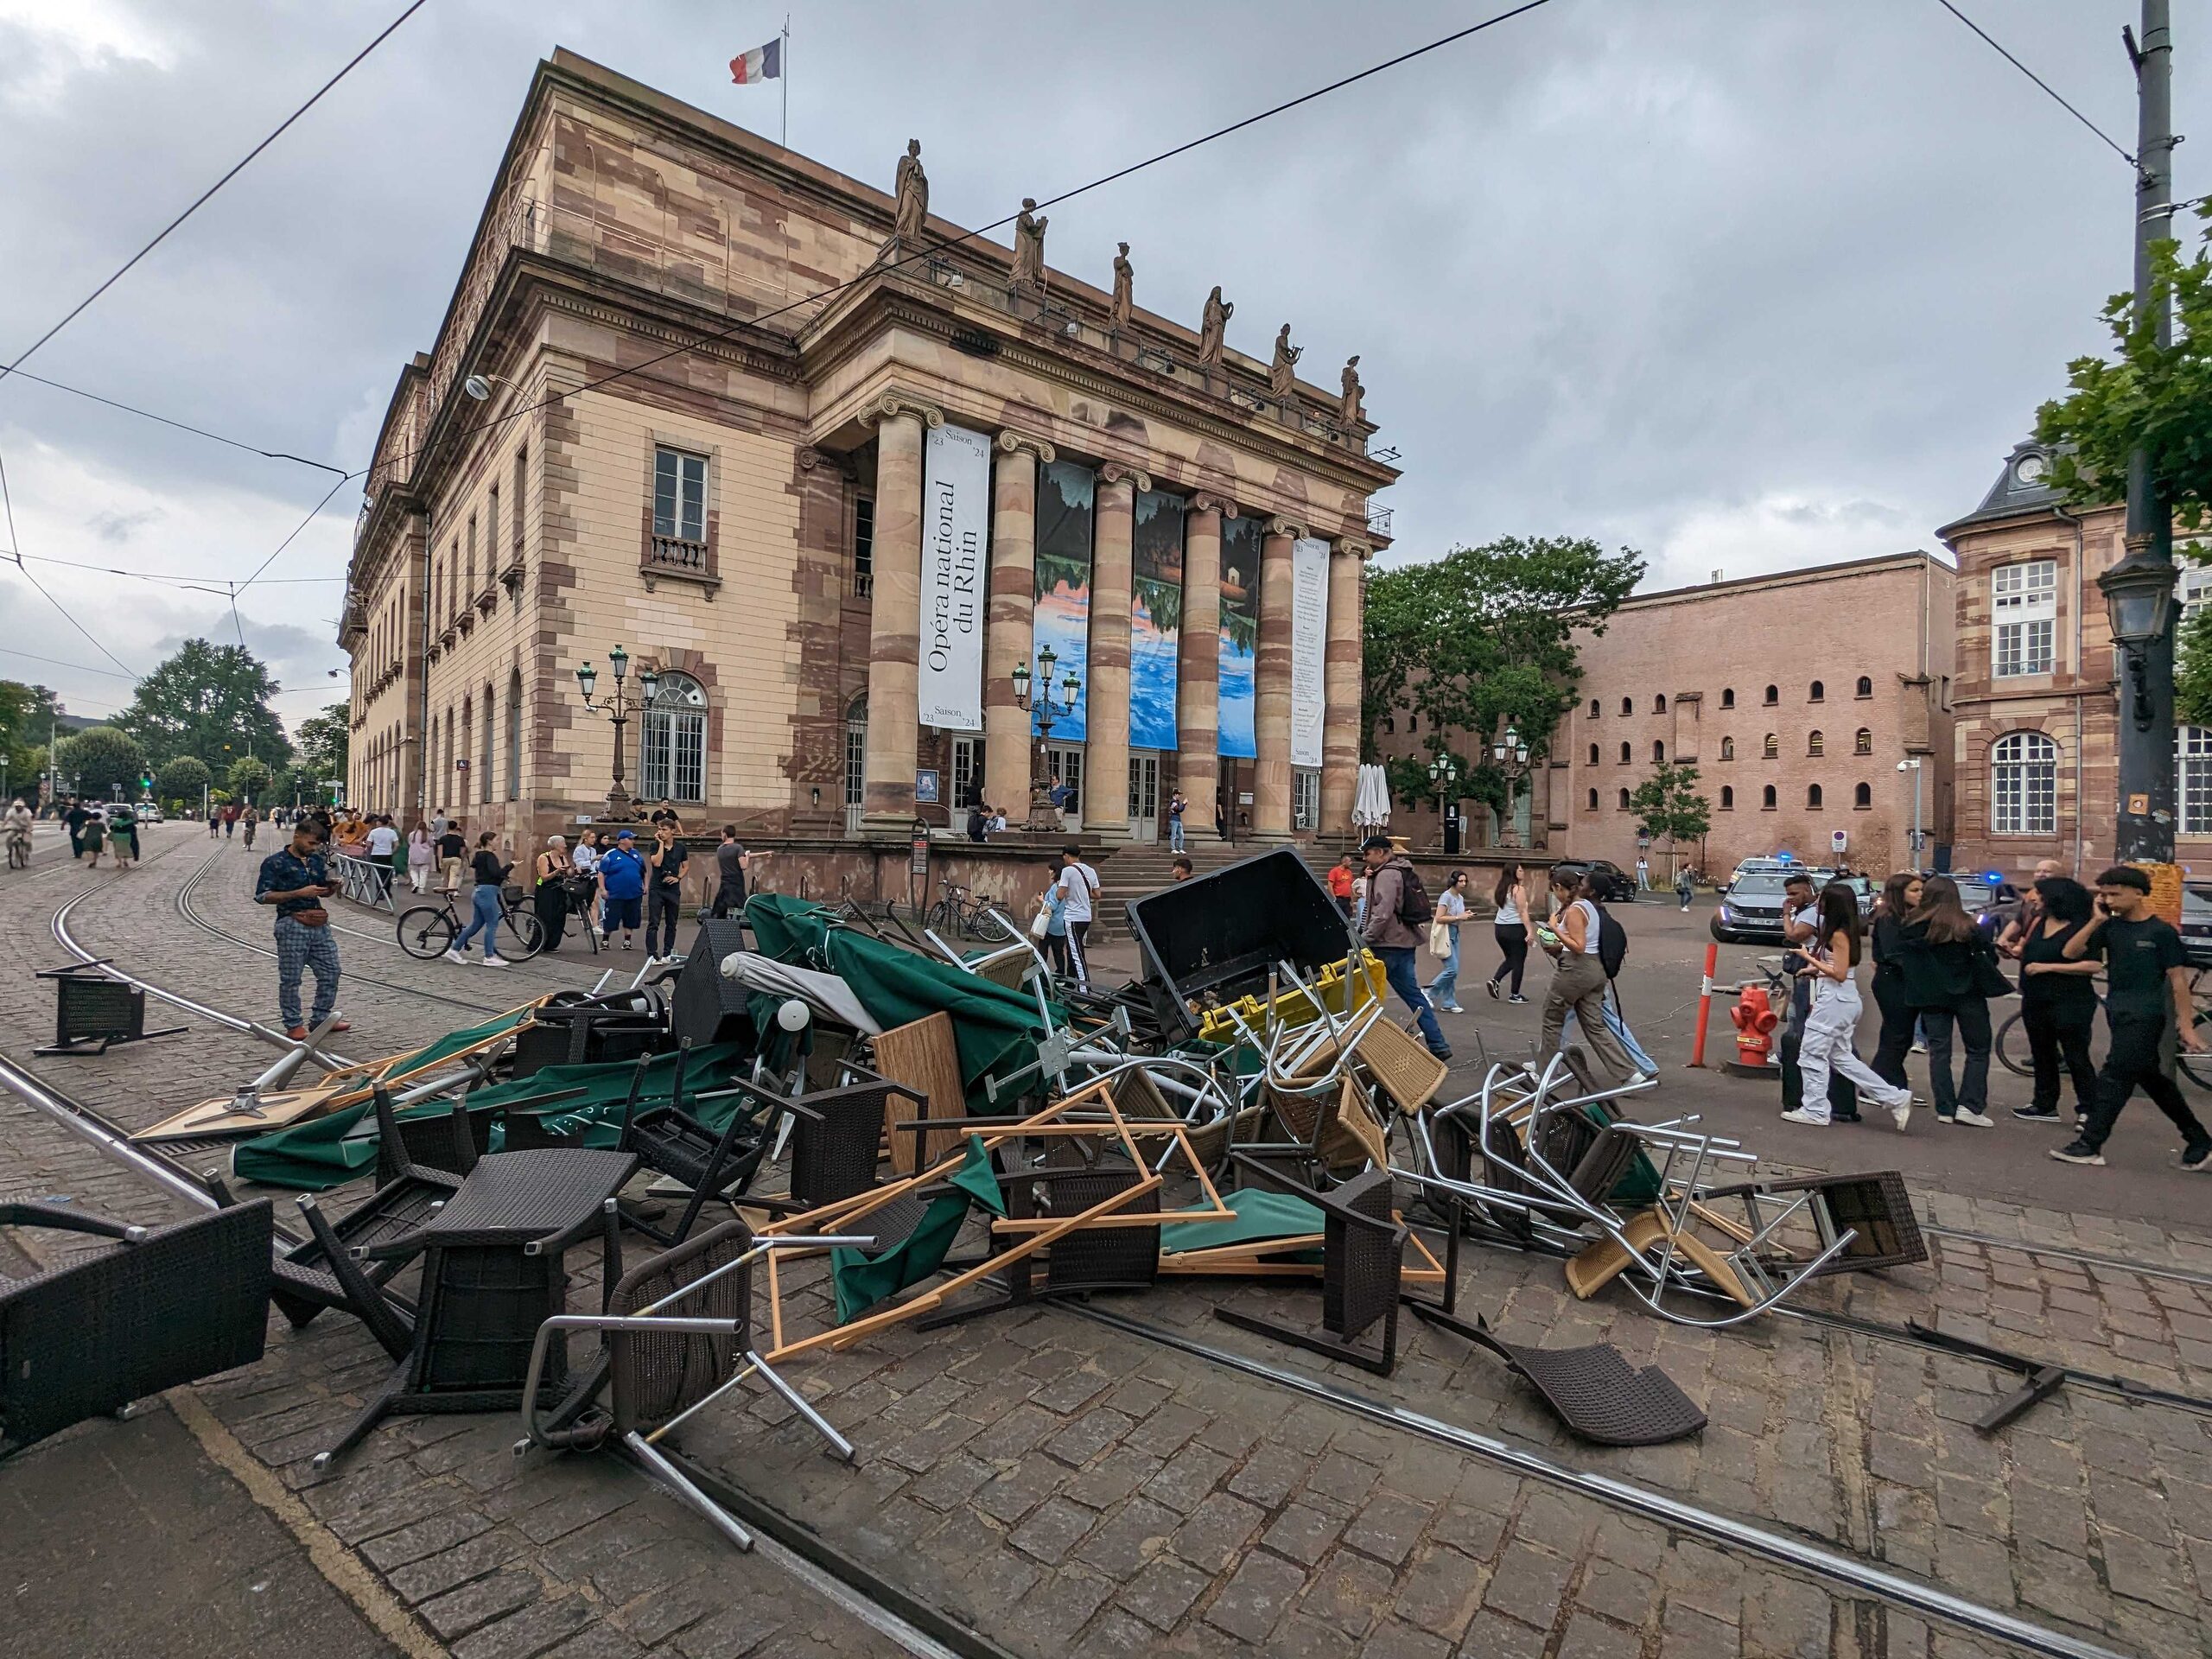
[1069, 1488]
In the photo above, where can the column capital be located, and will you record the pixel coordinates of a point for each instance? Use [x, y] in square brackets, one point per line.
[891, 404]
[1114, 472]
[1358, 549]
[1289, 527]
[1208, 501]
[1013, 443]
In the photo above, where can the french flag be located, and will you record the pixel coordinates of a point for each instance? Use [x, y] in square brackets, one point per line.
[761, 63]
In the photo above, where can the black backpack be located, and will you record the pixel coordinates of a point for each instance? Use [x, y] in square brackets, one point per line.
[1612, 943]
[1415, 908]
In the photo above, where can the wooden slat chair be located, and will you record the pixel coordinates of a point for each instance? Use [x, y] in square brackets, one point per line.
[924, 1056]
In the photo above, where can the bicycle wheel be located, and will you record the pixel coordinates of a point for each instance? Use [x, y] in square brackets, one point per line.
[521, 935]
[2013, 1049]
[991, 929]
[426, 933]
[2199, 1066]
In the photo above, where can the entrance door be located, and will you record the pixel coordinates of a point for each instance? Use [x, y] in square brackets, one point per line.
[1065, 763]
[1144, 795]
[1305, 801]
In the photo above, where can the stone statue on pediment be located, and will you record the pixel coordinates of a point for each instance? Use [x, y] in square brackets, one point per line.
[1351, 411]
[1124, 285]
[1213, 323]
[912, 190]
[1283, 373]
[1029, 247]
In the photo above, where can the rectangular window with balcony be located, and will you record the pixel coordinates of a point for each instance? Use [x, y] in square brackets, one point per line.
[863, 547]
[2023, 609]
[679, 509]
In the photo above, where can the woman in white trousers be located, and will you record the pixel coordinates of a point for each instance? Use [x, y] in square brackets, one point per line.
[1832, 1026]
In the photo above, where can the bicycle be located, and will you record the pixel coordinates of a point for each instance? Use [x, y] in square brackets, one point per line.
[427, 932]
[963, 913]
[2014, 1054]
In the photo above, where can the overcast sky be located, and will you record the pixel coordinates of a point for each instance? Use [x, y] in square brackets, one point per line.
[1742, 285]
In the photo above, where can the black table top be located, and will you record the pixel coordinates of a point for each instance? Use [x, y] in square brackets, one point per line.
[551, 1196]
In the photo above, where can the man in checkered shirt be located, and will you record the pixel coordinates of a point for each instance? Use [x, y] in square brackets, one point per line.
[296, 880]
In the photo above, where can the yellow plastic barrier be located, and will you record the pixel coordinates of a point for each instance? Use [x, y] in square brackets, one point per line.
[1294, 1006]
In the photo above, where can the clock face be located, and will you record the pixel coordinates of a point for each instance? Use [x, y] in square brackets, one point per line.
[2029, 469]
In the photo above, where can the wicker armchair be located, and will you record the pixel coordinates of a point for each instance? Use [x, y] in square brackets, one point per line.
[1363, 1250]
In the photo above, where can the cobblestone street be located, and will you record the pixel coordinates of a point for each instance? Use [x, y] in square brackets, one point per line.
[1075, 1480]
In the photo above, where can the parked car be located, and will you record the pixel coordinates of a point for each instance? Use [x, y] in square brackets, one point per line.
[1990, 899]
[1615, 884]
[1750, 909]
[2197, 923]
[148, 813]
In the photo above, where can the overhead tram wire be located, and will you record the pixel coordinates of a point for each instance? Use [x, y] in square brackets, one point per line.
[930, 251]
[1996, 47]
[164, 420]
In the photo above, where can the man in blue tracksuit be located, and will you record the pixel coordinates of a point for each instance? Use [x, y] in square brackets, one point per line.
[621, 889]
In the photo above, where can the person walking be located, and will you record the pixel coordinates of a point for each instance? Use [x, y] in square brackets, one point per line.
[123, 833]
[2146, 1003]
[551, 893]
[1077, 884]
[452, 847]
[18, 830]
[1396, 906]
[422, 854]
[1946, 960]
[621, 888]
[251, 818]
[383, 841]
[441, 820]
[1509, 927]
[215, 823]
[1800, 909]
[732, 865]
[1832, 1026]
[1056, 927]
[1685, 888]
[229, 823]
[1450, 913]
[665, 908]
[75, 818]
[1176, 807]
[491, 873]
[296, 879]
[1578, 981]
[1340, 883]
[1900, 895]
[93, 837]
[2058, 1003]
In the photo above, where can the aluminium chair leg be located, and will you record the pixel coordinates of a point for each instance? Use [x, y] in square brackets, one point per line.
[799, 1403]
[1328, 1347]
[723, 1522]
[378, 1407]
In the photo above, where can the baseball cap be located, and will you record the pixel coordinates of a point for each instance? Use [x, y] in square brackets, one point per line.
[626, 835]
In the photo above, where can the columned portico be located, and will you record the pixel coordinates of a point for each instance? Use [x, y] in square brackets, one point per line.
[1341, 666]
[1009, 631]
[894, 619]
[1197, 664]
[1106, 759]
[1271, 685]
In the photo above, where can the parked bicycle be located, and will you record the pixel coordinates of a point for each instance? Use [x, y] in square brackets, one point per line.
[427, 932]
[961, 913]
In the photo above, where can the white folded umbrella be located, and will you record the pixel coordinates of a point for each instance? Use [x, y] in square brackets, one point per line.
[826, 994]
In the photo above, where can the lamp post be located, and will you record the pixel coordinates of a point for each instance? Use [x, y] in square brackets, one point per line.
[1510, 754]
[1444, 772]
[1911, 764]
[1044, 816]
[618, 709]
[2139, 604]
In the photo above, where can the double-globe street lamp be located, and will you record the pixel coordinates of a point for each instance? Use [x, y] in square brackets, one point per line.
[618, 709]
[1510, 754]
[1044, 816]
[1444, 772]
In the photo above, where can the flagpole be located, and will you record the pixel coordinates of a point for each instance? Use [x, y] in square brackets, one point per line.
[785, 77]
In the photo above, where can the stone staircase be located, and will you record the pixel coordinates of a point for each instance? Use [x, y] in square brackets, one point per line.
[1137, 868]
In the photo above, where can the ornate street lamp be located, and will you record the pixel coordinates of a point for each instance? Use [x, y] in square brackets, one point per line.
[1044, 816]
[1510, 756]
[1444, 772]
[617, 710]
[2139, 603]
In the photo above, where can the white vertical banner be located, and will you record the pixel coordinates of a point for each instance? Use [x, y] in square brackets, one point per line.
[1309, 643]
[956, 548]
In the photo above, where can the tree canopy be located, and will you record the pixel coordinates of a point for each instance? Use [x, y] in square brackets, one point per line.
[201, 698]
[97, 760]
[323, 739]
[181, 779]
[1480, 637]
[26, 712]
[250, 777]
[1668, 804]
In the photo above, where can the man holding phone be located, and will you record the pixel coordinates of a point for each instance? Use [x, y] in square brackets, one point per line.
[296, 880]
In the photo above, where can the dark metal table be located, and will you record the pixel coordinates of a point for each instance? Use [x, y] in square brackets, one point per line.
[492, 1273]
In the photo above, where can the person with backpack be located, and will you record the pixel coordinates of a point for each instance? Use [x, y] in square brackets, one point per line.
[1397, 909]
[1576, 943]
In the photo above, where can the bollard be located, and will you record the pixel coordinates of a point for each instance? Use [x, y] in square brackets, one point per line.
[1704, 1004]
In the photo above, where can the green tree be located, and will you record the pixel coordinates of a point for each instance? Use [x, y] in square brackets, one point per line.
[322, 742]
[26, 712]
[203, 697]
[1668, 804]
[1480, 637]
[98, 760]
[177, 782]
[250, 777]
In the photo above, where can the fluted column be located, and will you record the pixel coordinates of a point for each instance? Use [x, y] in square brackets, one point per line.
[1010, 639]
[1341, 668]
[895, 620]
[1106, 740]
[1197, 665]
[1271, 685]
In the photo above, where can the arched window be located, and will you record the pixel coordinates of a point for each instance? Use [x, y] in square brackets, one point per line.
[1862, 795]
[1593, 754]
[1593, 800]
[1594, 708]
[1772, 748]
[1814, 744]
[1816, 692]
[1625, 753]
[1865, 685]
[1628, 705]
[1390, 723]
[1659, 703]
[1773, 694]
[1727, 697]
[673, 765]
[514, 737]
[1658, 753]
[2024, 779]
[1863, 742]
[1727, 799]
[1813, 796]
[1766, 798]
[1624, 800]
[1413, 723]
[1727, 748]
[2193, 779]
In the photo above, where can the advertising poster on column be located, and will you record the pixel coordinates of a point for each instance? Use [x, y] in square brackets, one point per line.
[956, 544]
[1240, 633]
[1064, 500]
[1155, 619]
[1309, 638]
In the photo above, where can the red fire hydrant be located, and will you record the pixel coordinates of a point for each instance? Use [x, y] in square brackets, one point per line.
[1754, 1019]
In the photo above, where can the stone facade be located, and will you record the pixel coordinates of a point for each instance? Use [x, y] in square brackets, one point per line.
[1859, 659]
[650, 283]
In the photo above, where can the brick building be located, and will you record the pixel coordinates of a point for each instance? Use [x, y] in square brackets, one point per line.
[687, 399]
[1795, 696]
[2037, 691]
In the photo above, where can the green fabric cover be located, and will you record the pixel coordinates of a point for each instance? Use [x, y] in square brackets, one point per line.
[328, 1152]
[1261, 1215]
[1638, 1185]
[997, 1029]
[861, 1280]
[453, 1041]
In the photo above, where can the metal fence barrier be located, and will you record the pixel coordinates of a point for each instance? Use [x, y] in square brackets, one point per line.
[368, 881]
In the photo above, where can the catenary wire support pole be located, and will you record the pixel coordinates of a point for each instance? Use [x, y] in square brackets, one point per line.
[2146, 830]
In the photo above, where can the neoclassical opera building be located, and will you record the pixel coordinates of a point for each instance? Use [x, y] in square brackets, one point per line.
[828, 470]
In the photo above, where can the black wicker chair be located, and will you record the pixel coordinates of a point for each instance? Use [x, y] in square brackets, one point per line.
[671, 1141]
[164, 1306]
[1361, 1257]
[450, 1144]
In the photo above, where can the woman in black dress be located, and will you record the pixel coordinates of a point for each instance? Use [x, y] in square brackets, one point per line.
[1900, 896]
[2058, 1002]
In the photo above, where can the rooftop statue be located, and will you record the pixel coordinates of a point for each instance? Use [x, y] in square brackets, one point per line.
[1211, 324]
